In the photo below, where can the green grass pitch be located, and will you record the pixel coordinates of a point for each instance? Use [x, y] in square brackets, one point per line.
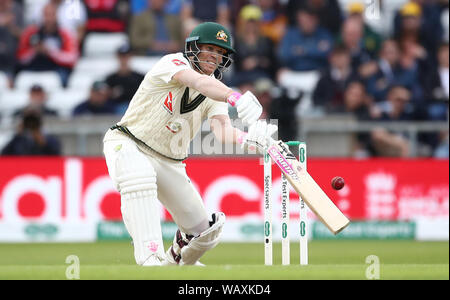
[341, 259]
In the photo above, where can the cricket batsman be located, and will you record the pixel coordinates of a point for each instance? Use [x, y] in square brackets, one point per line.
[145, 151]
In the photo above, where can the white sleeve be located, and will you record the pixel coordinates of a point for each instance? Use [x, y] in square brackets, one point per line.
[169, 65]
[216, 108]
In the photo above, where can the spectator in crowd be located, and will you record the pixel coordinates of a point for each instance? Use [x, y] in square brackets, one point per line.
[124, 82]
[386, 71]
[255, 57]
[352, 37]
[371, 39]
[107, 16]
[359, 104]
[437, 86]
[418, 36]
[206, 11]
[329, 92]
[188, 26]
[235, 7]
[420, 21]
[138, 6]
[173, 7]
[71, 15]
[8, 46]
[436, 106]
[273, 22]
[37, 102]
[329, 13]
[11, 16]
[154, 32]
[305, 47]
[11, 24]
[30, 139]
[388, 144]
[414, 64]
[97, 103]
[263, 91]
[397, 107]
[48, 47]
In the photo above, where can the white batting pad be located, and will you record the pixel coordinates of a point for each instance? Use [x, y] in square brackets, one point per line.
[136, 180]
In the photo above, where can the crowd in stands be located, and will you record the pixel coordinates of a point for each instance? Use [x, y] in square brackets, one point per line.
[379, 67]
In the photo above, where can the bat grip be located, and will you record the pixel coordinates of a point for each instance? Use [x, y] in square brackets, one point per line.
[241, 137]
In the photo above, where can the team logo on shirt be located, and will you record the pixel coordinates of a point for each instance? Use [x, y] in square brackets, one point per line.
[173, 127]
[221, 35]
[168, 103]
[178, 62]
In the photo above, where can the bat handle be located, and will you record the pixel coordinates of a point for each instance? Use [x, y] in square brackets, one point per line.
[241, 137]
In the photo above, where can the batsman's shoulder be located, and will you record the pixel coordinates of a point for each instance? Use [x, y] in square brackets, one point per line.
[168, 66]
[175, 59]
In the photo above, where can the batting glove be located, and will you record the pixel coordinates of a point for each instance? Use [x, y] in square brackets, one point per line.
[258, 136]
[247, 105]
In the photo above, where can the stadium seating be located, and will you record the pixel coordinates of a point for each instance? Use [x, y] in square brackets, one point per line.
[30, 7]
[296, 82]
[82, 80]
[103, 44]
[65, 100]
[49, 80]
[143, 64]
[11, 100]
[97, 65]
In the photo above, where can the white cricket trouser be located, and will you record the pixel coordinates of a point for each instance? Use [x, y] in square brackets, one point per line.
[143, 179]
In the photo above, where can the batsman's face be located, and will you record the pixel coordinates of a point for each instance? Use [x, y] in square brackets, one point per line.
[210, 58]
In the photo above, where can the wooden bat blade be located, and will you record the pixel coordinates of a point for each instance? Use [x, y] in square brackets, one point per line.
[316, 199]
[320, 203]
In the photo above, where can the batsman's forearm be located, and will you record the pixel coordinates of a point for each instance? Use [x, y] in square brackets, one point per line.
[205, 85]
[225, 132]
[212, 88]
[233, 136]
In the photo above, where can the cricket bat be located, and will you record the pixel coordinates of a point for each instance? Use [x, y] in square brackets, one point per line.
[307, 188]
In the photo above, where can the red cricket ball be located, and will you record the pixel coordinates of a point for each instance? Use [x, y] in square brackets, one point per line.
[337, 183]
